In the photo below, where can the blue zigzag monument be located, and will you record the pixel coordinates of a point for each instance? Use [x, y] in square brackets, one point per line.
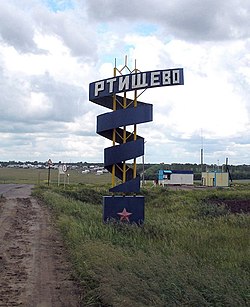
[125, 204]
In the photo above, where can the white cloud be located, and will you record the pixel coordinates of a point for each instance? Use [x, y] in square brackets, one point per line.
[37, 104]
[50, 54]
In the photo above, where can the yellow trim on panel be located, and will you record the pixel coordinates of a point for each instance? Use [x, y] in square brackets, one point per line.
[114, 134]
[135, 130]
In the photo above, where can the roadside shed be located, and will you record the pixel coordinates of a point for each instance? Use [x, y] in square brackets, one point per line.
[175, 177]
[215, 179]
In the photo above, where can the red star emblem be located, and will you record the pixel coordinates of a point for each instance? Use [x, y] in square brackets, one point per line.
[124, 215]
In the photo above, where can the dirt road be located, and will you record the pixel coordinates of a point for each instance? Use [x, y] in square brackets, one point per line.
[34, 271]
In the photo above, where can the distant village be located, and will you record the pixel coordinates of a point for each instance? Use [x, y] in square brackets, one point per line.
[84, 167]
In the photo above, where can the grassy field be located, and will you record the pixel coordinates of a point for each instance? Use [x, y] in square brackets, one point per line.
[40, 176]
[191, 251]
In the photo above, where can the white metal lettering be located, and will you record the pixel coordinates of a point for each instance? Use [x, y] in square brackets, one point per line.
[139, 80]
[154, 80]
[124, 83]
[111, 84]
[166, 77]
[99, 86]
[176, 76]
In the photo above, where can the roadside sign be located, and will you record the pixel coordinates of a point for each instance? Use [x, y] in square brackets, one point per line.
[62, 169]
[49, 163]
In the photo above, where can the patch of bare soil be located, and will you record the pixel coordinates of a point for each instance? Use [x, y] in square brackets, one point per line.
[238, 205]
[234, 205]
[34, 270]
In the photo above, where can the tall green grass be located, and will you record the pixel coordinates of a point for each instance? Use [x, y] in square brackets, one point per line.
[189, 252]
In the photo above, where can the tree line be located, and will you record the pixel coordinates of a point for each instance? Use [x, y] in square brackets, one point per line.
[236, 171]
[150, 171]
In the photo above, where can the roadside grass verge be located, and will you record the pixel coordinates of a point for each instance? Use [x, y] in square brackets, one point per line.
[191, 251]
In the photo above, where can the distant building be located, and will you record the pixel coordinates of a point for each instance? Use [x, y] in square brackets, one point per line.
[99, 172]
[215, 179]
[169, 177]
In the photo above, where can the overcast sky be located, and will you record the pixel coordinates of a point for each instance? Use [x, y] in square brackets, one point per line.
[50, 50]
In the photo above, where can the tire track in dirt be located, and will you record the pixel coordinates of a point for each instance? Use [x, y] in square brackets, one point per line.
[33, 267]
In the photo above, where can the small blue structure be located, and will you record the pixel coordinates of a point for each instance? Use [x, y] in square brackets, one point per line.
[175, 177]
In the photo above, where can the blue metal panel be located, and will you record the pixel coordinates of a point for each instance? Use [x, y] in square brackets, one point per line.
[182, 172]
[123, 152]
[149, 79]
[132, 148]
[128, 209]
[124, 117]
[130, 186]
